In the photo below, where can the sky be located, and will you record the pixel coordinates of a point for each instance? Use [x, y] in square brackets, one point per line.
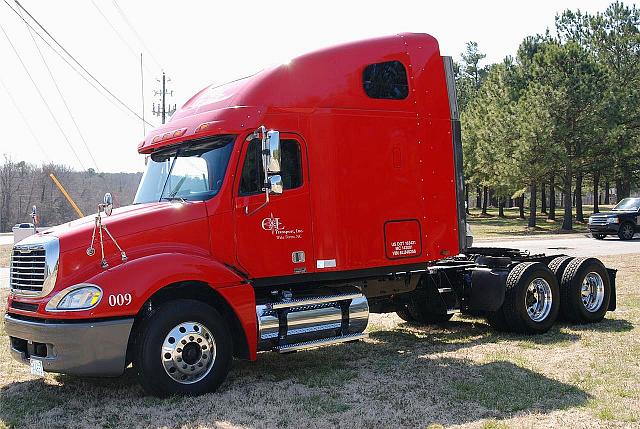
[198, 43]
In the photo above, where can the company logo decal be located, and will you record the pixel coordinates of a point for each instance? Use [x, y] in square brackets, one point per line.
[272, 224]
[278, 229]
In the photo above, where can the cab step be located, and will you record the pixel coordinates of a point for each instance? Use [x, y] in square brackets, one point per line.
[318, 343]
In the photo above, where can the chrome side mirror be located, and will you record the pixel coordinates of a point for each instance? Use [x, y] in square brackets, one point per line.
[275, 184]
[270, 163]
[273, 146]
[107, 203]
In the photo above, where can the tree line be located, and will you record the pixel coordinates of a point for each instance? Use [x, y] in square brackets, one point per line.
[23, 185]
[561, 116]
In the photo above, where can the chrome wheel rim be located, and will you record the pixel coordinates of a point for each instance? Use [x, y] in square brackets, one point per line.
[627, 231]
[592, 292]
[188, 352]
[538, 299]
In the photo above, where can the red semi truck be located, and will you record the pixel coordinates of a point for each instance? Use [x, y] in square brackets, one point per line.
[275, 213]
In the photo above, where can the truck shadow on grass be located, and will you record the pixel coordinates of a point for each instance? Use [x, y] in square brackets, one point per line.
[405, 376]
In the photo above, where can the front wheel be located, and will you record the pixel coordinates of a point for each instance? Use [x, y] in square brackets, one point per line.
[183, 348]
[531, 302]
[626, 231]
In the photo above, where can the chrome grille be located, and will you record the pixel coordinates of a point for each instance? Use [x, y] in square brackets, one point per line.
[34, 264]
[28, 270]
[599, 220]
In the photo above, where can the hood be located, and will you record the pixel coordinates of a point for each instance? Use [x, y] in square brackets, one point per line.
[126, 221]
[613, 213]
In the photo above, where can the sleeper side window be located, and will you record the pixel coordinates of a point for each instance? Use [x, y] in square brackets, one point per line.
[386, 80]
[252, 178]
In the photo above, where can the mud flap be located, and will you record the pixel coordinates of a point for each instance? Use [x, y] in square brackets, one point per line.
[487, 289]
[612, 281]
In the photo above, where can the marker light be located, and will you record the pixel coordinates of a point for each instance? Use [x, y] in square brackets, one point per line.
[169, 135]
[83, 296]
[203, 127]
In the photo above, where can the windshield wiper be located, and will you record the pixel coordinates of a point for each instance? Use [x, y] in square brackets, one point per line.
[169, 175]
[173, 198]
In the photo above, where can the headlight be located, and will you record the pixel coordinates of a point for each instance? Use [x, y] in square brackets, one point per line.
[613, 220]
[83, 296]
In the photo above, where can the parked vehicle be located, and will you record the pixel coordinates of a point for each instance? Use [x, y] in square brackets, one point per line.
[623, 220]
[275, 214]
[22, 231]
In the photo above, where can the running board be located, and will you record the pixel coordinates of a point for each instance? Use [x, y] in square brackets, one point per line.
[318, 343]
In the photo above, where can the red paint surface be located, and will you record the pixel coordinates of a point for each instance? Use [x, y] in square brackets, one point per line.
[366, 163]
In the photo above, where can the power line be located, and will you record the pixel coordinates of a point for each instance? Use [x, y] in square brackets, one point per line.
[26, 122]
[64, 101]
[133, 30]
[42, 96]
[115, 30]
[72, 58]
[144, 128]
[109, 99]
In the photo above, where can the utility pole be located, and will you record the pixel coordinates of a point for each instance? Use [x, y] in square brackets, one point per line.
[162, 110]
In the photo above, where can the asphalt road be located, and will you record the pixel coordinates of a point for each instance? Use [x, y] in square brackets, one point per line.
[6, 239]
[573, 245]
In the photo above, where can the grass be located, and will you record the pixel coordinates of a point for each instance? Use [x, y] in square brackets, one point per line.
[460, 374]
[5, 255]
[493, 226]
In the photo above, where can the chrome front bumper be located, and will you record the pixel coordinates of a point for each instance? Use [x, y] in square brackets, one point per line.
[89, 349]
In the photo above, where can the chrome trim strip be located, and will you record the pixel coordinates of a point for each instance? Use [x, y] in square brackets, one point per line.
[311, 301]
[323, 342]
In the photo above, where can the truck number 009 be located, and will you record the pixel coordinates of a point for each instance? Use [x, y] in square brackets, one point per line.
[119, 299]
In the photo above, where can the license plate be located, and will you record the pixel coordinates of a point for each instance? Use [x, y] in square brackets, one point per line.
[36, 368]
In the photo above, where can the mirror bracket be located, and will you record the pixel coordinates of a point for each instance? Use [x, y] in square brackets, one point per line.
[270, 163]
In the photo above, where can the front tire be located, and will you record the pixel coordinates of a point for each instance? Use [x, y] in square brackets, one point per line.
[183, 348]
[531, 302]
[626, 231]
[585, 291]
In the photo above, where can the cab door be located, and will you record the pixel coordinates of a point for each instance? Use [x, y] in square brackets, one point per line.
[276, 240]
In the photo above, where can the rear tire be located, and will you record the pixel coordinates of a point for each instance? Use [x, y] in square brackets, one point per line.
[404, 314]
[531, 302]
[183, 348]
[497, 321]
[626, 231]
[585, 291]
[419, 314]
[558, 265]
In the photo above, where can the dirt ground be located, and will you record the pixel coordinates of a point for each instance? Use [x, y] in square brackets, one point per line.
[459, 375]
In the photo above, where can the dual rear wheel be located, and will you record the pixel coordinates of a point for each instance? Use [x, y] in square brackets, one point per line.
[576, 289]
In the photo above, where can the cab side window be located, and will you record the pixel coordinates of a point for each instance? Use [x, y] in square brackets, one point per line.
[386, 80]
[252, 178]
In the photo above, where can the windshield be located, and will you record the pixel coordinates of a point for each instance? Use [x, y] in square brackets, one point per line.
[628, 204]
[193, 172]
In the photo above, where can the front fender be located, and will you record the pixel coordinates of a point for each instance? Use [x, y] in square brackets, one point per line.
[143, 277]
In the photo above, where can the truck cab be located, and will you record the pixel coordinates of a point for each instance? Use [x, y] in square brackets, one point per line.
[276, 212]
